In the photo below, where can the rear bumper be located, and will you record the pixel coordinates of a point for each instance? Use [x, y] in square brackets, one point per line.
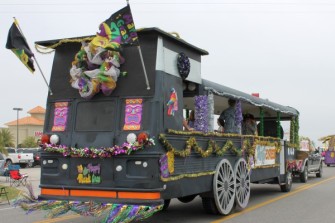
[118, 196]
[26, 161]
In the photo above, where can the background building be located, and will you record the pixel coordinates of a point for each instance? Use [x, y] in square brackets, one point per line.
[28, 126]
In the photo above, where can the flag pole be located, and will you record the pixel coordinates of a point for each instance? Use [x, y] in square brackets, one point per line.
[145, 72]
[142, 61]
[18, 26]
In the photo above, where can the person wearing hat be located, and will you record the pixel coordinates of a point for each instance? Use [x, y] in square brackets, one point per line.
[249, 126]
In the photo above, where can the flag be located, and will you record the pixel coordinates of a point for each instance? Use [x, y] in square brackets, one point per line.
[18, 44]
[120, 28]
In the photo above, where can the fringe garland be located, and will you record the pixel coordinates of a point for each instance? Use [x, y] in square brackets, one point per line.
[104, 212]
[108, 213]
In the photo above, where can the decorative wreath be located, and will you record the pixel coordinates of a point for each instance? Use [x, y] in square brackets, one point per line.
[183, 64]
[95, 67]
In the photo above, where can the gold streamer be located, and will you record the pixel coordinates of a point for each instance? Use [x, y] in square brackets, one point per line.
[51, 48]
[170, 156]
[189, 175]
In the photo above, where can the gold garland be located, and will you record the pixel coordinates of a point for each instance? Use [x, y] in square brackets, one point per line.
[192, 143]
[199, 133]
[189, 175]
[42, 49]
[262, 138]
[248, 148]
[212, 147]
[228, 146]
[264, 167]
[170, 157]
[293, 146]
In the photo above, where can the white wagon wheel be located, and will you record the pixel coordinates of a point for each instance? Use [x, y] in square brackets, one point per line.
[242, 183]
[224, 187]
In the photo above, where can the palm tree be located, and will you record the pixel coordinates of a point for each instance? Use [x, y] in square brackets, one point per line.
[29, 142]
[6, 140]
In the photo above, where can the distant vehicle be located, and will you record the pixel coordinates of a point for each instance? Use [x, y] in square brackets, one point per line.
[305, 161]
[36, 154]
[23, 159]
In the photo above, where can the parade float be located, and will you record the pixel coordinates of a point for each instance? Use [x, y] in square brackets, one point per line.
[329, 152]
[114, 144]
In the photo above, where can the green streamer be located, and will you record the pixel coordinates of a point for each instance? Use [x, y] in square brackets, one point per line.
[278, 126]
[261, 111]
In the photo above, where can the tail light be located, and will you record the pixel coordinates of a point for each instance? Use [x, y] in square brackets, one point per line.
[19, 156]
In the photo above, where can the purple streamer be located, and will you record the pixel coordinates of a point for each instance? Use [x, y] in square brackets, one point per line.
[238, 114]
[201, 113]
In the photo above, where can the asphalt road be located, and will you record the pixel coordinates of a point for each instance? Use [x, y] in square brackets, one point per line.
[313, 201]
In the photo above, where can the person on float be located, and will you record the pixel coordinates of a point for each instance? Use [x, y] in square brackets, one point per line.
[229, 117]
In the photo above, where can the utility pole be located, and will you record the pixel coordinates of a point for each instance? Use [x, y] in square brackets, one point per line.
[17, 126]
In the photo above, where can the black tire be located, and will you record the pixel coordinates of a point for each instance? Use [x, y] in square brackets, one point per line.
[166, 204]
[23, 165]
[319, 174]
[209, 205]
[288, 183]
[328, 164]
[304, 175]
[187, 199]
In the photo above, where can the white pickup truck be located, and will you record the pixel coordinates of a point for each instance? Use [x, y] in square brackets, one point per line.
[23, 159]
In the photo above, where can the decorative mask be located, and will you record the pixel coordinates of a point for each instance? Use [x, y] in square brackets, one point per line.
[133, 114]
[60, 116]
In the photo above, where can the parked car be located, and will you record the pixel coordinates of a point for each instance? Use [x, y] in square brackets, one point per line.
[36, 154]
[23, 159]
[2, 164]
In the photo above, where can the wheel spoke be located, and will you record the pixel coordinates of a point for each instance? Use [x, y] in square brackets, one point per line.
[220, 176]
[242, 183]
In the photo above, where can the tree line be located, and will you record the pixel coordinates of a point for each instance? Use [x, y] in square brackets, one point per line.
[7, 140]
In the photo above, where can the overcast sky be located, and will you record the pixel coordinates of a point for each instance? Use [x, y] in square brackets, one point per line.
[282, 49]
